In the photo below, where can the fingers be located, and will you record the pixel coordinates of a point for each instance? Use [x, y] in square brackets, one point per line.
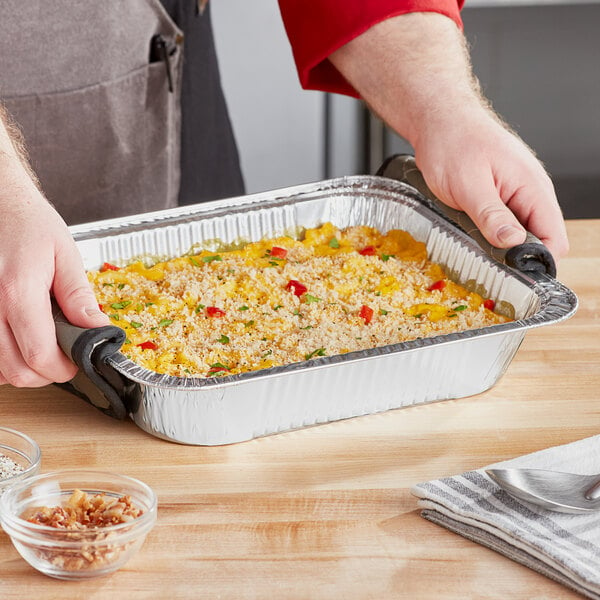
[504, 195]
[29, 353]
[73, 292]
[538, 209]
[477, 195]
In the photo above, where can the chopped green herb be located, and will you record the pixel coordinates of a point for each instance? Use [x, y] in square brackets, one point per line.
[308, 298]
[267, 353]
[307, 327]
[120, 305]
[231, 271]
[243, 308]
[459, 308]
[418, 316]
[452, 315]
[219, 365]
[386, 257]
[278, 307]
[114, 316]
[149, 303]
[165, 322]
[218, 369]
[333, 243]
[121, 286]
[194, 261]
[378, 293]
[297, 313]
[108, 284]
[383, 312]
[199, 308]
[273, 263]
[223, 339]
[317, 352]
[208, 259]
[127, 341]
[135, 324]
[248, 323]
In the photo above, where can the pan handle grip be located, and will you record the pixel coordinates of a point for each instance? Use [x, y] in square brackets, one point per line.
[96, 382]
[528, 257]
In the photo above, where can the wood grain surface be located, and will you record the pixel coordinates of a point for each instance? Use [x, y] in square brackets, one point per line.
[326, 512]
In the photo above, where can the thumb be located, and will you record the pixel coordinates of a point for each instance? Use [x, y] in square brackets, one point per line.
[498, 224]
[73, 292]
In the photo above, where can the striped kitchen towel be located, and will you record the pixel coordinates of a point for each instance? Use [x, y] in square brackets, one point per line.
[565, 547]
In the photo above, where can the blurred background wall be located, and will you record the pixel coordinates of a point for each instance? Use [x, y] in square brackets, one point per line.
[538, 62]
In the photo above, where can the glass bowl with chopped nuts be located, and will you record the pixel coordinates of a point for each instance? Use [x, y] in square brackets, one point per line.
[78, 524]
[20, 457]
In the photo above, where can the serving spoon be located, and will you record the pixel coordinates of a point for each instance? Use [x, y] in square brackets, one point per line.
[553, 490]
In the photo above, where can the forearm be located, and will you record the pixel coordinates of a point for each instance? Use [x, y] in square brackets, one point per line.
[38, 258]
[14, 162]
[413, 71]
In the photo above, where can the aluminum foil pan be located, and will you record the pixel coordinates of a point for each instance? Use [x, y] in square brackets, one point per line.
[244, 406]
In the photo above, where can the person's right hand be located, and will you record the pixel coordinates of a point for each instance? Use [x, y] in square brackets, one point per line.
[37, 257]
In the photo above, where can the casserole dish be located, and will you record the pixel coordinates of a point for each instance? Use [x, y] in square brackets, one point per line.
[210, 411]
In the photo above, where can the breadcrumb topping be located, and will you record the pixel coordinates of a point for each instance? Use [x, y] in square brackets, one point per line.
[281, 301]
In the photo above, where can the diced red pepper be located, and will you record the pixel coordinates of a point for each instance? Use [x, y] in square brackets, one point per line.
[438, 285]
[368, 251]
[215, 370]
[366, 313]
[278, 252]
[108, 267]
[296, 287]
[148, 346]
[489, 304]
[101, 307]
[213, 311]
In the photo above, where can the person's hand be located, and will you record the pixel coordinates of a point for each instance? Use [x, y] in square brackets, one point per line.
[474, 163]
[414, 72]
[37, 256]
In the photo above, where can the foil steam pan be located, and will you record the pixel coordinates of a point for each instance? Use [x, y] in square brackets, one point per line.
[241, 407]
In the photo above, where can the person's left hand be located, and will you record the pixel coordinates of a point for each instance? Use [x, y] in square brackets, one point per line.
[476, 165]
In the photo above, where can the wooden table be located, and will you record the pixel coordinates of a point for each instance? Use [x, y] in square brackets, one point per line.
[326, 512]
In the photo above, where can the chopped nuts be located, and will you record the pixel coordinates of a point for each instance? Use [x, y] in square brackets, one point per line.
[82, 518]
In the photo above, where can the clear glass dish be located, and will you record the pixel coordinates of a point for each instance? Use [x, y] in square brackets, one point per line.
[22, 450]
[76, 553]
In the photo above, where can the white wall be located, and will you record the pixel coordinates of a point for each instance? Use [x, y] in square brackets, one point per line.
[279, 127]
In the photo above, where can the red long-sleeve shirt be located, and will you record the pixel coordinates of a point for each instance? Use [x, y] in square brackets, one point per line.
[316, 28]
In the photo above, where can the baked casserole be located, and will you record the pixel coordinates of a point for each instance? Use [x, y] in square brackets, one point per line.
[284, 300]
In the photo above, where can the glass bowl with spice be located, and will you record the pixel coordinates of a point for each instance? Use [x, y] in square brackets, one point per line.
[20, 457]
[78, 524]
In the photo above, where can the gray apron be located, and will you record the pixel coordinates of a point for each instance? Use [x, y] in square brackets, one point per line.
[101, 106]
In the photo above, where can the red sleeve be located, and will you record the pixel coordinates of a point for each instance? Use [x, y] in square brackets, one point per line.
[316, 28]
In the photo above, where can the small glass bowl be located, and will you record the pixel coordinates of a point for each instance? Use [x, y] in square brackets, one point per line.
[21, 449]
[68, 553]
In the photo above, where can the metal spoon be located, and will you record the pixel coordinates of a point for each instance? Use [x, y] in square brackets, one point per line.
[561, 492]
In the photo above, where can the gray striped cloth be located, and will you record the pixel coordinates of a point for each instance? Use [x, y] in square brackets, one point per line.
[564, 547]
